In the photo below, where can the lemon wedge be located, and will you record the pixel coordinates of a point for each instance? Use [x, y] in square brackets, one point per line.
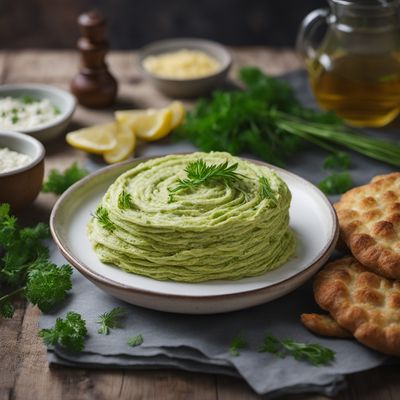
[95, 139]
[178, 113]
[126, 141]
[148, 125]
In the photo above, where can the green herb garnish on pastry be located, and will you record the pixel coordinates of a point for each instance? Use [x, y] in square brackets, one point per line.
[230, 221]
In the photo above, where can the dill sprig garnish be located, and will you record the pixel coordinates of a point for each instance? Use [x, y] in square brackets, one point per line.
[110, 319]
[198, 173]
[124, 200]
[103, 218]
[266, 191]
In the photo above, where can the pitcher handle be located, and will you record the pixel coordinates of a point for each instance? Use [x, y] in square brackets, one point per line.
[306, 31]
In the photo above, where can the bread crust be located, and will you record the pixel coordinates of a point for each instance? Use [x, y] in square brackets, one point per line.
[324, 325]
[369, 219]
[362, 302]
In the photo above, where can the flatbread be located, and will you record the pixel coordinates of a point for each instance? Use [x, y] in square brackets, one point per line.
[369, 219]
[324, 325]
[362, 302]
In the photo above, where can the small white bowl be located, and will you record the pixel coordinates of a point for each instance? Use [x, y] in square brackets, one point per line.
[62, 99]
[191, 87]
[20, 186]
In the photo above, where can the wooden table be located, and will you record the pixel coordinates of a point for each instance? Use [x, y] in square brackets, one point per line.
[24, 373]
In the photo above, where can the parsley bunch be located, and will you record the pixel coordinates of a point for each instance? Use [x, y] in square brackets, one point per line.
[25, 268]
[267, 120]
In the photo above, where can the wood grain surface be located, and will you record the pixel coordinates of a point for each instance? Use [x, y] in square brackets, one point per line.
[24, 373]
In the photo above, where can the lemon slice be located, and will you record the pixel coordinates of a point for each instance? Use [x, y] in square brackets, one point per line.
[95, 139]
[148, 125]
[178, 113]
[126, 141]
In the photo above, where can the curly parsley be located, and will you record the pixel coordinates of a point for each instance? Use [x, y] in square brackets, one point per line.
[69, 332]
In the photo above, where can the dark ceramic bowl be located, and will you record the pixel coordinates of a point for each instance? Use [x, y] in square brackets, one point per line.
[21, 186]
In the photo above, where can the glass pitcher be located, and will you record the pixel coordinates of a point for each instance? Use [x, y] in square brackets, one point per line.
[354, 69]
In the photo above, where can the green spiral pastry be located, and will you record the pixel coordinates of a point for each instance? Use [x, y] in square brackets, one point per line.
[213, 230]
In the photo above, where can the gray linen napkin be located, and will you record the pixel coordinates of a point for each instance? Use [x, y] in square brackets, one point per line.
[201, 343]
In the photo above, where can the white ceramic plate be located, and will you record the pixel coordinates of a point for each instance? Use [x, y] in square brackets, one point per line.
[311, 217]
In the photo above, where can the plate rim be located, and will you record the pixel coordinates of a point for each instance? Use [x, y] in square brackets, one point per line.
[98, 278]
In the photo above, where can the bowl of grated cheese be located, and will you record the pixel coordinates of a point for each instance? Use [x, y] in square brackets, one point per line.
[186, 67]
[21, 169]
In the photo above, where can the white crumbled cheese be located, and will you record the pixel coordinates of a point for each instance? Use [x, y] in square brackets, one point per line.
[10, 160]
[26, 112]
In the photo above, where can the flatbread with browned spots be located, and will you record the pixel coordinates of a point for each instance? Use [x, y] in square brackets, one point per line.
[362, 302]
[369, 219]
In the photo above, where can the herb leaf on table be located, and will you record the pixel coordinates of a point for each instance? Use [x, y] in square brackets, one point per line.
[238, 342]
[313, 353]
[110, 319]
[58, 182]
[135, 341]
[69, 332]
[336, 183]
[337, 161]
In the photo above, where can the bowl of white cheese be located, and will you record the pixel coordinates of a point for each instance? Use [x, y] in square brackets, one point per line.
[41, 111]
[21, 169]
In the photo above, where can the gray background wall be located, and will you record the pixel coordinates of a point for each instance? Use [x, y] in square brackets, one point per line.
[133, 23]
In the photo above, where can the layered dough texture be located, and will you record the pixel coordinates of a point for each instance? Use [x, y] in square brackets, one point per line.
[213, 231]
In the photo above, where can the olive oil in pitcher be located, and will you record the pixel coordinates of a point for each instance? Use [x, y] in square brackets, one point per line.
[354, 67]
[362, 89]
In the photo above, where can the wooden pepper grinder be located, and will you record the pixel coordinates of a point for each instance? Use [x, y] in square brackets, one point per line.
[93, 86]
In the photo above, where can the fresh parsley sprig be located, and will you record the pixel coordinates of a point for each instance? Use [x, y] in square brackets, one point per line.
[336, 183]
[47, 284]
[339, 161]
[69, 332]
[313, 353]
[199, 173]
[58, 182]
[110, 319]
[339, 181]
[271, 345]
[237, 343]
[135, 341]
